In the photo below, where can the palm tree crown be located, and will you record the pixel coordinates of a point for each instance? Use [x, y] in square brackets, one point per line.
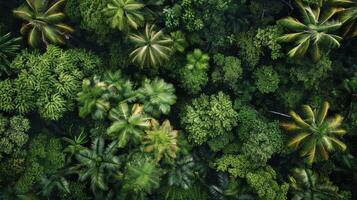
[315, 30]
[128, 123]
[43, 22]
[98, 163]
[124, 14]
[315, 133]
[152, 47]
[161, 140]
[157, 96]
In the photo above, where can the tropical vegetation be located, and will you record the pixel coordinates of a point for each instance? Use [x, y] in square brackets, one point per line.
[178, 100]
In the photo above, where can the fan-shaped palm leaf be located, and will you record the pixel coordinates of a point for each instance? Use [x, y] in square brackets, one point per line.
[315, 135]
[124, 14]
[128, 124]
[313, 33]
[305, 184]
[98, 163]
[152, 47]
[157, 97]
[43, 22]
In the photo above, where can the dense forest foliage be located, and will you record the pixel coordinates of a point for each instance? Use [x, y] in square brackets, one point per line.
[178, 99]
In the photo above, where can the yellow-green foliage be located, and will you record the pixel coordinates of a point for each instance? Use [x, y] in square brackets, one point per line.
[48, 82]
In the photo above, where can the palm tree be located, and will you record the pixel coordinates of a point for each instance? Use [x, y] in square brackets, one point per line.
[56, 181]
[43, 22]
[128, 124]
[75, 145]
[161, 140]
[157, 96]
[305, 184]
[197, 60]
[141, 176]
[98, 163]
[152, 47]
[347, 16]
[313, 32]
[8, 48]
[124, 13]
[315, 133]
[93, 99]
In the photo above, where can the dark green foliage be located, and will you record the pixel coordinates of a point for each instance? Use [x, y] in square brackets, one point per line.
[77, 192]
[178, 100]
[193, 193]
[310, 74]
[13, 137]
[93, 18]
[44, 157]
[267, 79]
[249, 52]
[208, 117]
[260, 140]
[13, 134]
[228, 70]
[184, 173]
[267, 37]
[8, 48]
[47, 82]
[186, 15]
[229, 188]
[306, 184]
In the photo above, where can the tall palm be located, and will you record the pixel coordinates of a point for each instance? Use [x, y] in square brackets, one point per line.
[129, 123]
[8, 48]
[315, 134]
[313, 32]
[157, 96]
[152, 47]
[43, 22]
[98, 163]
[124, 14]
[161, 141]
